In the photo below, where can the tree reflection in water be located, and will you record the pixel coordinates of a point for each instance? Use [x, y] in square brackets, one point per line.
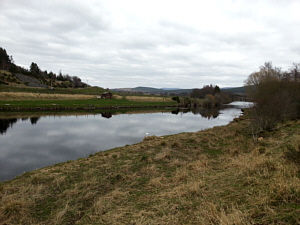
[8, 123]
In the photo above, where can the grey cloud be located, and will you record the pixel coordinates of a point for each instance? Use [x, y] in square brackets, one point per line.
[222, 42]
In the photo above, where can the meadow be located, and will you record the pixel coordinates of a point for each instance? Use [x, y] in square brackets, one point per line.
[41, 101]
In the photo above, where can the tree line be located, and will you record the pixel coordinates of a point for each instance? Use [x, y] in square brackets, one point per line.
[276, 94]
[48, 78]
[212, 95]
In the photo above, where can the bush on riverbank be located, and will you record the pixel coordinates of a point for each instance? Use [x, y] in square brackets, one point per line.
[216, 176]
[276, 95]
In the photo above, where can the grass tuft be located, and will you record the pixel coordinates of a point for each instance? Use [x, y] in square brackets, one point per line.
[164, 155]
[292, 152]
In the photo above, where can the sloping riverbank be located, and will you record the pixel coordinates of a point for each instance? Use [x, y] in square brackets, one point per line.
[216, 176]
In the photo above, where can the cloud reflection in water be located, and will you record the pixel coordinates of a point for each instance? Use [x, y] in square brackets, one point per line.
[51, 140]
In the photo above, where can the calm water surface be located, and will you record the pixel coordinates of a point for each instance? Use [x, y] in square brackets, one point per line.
[32, 143]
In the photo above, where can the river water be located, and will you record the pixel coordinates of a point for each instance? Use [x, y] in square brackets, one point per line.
[27, 144]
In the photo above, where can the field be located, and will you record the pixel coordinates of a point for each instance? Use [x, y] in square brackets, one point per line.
[148, 99]
[216, 176]
[26, 96]
[13, 101]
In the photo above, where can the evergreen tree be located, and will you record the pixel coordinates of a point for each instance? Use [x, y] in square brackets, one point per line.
[34, 69]
[217, 89]
[4, 59]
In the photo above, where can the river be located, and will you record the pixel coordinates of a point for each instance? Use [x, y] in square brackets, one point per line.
[30, 143]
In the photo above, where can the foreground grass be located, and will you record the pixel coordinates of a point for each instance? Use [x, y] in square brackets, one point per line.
[216, 176]
[31, 101]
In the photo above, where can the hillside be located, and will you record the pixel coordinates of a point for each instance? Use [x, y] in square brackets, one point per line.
[16, 76]
[19, 87]
[216, 176]
[235, 90]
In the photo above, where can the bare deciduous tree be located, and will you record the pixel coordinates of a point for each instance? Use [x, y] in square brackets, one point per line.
[276, 97]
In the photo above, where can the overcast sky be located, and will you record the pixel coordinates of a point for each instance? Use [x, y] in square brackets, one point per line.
[174, 44]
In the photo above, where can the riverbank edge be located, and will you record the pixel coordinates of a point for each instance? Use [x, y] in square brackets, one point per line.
[205, 177]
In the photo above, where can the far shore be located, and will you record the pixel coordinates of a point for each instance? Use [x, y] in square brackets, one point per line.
[64, 102]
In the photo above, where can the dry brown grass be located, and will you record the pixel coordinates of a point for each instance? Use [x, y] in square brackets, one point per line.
[16, 203]
[152, 138]
[9, 96]
[199, 165]
[164, 155]
[254, 164]
[143, 98]
[157, 181]
[224, 216]
[59, 216]
[148, 99]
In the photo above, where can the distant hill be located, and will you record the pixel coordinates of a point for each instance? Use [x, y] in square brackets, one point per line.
[169, 89]
[178, 91]
[235, 90]
[147, 89]
[151, 90]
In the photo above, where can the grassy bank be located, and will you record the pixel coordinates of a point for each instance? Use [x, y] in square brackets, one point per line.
[216, 176]
[39, 101]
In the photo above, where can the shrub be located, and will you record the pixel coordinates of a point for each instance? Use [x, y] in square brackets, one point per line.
[276, 97]
[176, 98]
[210, 101]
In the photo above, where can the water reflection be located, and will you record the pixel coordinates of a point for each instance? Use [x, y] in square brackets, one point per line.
[106, 115]
[8, 123]
[34, 120]
[5, 124]
[57, 139]
[204, 112]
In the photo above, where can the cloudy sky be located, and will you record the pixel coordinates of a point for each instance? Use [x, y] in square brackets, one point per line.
[174, 44]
